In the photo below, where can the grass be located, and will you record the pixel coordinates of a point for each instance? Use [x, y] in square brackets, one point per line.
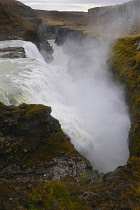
[125, 63]
[14, 25]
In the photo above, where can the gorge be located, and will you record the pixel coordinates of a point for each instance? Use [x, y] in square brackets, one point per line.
[80, 88]
[84, 83]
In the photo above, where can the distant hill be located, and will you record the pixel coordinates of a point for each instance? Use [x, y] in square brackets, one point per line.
[19, 8]
[13, 24]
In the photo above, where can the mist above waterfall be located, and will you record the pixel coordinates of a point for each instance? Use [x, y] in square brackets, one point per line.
[84, 98]
[100, 103]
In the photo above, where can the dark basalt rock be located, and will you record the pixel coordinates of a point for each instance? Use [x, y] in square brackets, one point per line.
[64, 33]
[46, 50]
[12, 52]
[2, 38]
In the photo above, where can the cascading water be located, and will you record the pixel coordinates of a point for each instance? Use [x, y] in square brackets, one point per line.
[89, 106]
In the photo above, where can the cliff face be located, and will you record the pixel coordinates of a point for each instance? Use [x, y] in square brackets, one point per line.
[14, 26]
[120, 20]
[32, 142]
[122, 9]
[19, 8]
[126, 67]
[34, 150]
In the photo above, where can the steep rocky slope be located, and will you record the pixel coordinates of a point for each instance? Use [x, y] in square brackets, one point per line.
[14, 26]
[34, 150]
[33, 143]
[19, 21]
[19, 8]
[126, 67]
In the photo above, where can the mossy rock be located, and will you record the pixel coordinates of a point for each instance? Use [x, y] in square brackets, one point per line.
[32, 136]
[14, 26]
[118, 190]
[124, 61]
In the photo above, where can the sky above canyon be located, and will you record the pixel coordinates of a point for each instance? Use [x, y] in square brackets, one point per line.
[70, 5]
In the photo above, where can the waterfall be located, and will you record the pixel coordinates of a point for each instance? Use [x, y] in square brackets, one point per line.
[90, 107]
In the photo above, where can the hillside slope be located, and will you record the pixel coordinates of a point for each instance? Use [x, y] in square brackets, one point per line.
[14, 26]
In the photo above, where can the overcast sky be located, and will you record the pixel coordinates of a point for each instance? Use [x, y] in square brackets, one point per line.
[69, 5]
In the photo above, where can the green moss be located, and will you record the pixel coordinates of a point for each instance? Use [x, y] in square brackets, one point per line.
[32, 110]
[125, 63]
[12, 24]
[84, 177]
[51, 147]
[36, 136]
[60, 194]
[121, 191]
[137, 58]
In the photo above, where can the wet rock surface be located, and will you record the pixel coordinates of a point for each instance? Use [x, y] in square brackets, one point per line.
[46, 50]
[12, 52]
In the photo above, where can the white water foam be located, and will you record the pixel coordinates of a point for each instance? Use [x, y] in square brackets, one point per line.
[91, 109]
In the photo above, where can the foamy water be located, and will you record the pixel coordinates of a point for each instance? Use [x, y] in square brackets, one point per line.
[90, 107]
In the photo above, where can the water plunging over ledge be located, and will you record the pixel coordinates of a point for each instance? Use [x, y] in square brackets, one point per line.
[83, 97]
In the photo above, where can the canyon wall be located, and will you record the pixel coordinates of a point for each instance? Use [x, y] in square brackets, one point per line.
[122, 9]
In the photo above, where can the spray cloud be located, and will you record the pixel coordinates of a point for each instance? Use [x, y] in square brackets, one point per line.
[100, 104]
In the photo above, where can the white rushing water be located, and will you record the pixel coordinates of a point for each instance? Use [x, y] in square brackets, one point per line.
[89, 106]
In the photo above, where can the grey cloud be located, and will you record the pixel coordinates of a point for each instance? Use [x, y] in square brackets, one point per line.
[77, 1]
[81, 5]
